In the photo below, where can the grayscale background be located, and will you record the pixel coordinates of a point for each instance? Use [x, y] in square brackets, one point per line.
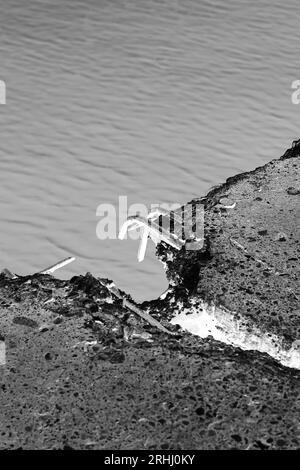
[157, 100]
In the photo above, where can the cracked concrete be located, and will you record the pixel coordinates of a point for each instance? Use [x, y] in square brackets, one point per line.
[250, 261]
[83, 371]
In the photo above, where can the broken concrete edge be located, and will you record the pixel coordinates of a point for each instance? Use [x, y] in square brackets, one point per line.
[216, 192]
[74, 297]
[184, 269]
[185, 283]
[77, 376]
[113, 328]
[180, 296]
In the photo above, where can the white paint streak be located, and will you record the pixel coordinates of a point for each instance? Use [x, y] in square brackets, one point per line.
[204, 320]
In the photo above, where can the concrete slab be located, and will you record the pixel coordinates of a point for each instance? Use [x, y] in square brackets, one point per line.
[82, 371]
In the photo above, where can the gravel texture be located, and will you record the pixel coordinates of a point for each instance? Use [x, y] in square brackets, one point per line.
[79, 370]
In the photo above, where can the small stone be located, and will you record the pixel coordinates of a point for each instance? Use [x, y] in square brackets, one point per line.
[44, 328]
[90, 443]
[142, 335]
[143, 420]
[293, 191]
[281, 237]
[262, 232]
[58, 320]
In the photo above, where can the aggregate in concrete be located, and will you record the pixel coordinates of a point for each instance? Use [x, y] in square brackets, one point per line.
[81, 371]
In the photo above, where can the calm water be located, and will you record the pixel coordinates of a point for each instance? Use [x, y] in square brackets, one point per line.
[156, 100]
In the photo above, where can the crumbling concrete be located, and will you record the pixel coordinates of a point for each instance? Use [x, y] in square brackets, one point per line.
[250, 261]
[83, 371]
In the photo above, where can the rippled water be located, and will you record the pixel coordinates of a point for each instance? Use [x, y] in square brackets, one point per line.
[156, 100]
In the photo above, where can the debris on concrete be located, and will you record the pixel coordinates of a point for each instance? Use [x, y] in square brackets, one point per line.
[153, 230]
[104, 376]
[131, 306]
[245, 273]
[281, 237]
[58, 265]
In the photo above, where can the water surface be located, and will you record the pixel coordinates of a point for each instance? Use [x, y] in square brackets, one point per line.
[156, 100]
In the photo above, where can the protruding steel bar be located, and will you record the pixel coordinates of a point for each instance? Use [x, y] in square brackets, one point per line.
[58, 265]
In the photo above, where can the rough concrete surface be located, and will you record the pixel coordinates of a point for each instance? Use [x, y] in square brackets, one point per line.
[79, 370]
